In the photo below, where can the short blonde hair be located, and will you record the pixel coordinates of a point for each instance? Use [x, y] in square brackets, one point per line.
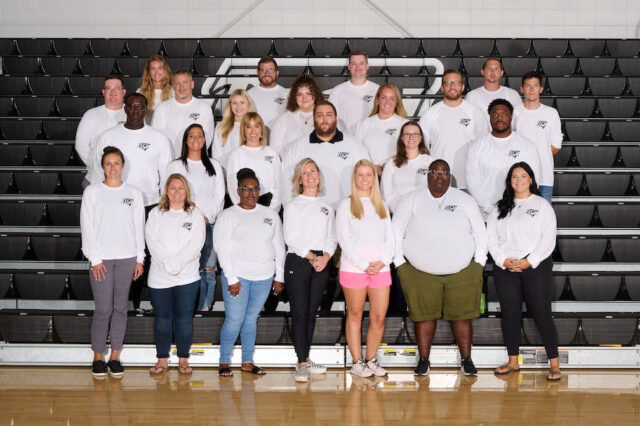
[164, 205]
[296, 185]
[396, 92]
[376, 199]
[245, 120]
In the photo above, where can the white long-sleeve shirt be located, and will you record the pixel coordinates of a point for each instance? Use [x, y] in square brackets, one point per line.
[481, 98]
[309, 225]
[249, 244]
[529, 230]
[397, 182]
[157, 100]
[93, 123]
[364, 240]
[172, 118]
[335, 160]
[488, 162]
[353, 103]
[542, 127]
[380, 137]
[112, 223]
[147, 153]
[174, 239]
[265, 162]
[206, 191]
[439, 236]
[288, 128]
[449, 131]
[269, 102]
[220, 152]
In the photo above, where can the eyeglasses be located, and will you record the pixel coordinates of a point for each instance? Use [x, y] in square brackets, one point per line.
[267, 70]
[438, 173]
[452, 83]
[249, 189]
[411, 135]
[112, 88]
[137, 107]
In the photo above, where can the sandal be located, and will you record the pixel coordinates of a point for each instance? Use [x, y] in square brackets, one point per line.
[158, 369]
[422, 369]
[225, 372]
[185, 370]
[255, 370]
[509, 370]
[554, 375]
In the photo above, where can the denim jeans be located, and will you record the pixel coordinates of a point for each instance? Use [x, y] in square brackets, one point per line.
[173, 311]
[208, 259]
[546, 192]
[241, 316]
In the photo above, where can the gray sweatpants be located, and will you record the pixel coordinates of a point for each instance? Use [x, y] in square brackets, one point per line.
[111, 295]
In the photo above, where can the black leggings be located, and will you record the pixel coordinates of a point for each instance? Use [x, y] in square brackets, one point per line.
[305, 288]
[536, 287]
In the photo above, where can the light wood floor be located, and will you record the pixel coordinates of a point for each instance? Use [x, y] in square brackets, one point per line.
[69, 396]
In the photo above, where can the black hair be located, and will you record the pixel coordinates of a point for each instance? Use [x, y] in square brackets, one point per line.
[268, 60]
[507, 203]
[131, 95]
[321, 103]
[500, 101]
[532, 74]
[211, 171]
[111, 150]
[114, 77]
[246, 173]
[434, 163]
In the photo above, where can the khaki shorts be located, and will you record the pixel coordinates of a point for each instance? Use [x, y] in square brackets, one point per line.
[428, 296]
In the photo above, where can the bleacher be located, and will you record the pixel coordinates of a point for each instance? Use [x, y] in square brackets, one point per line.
[47, 84]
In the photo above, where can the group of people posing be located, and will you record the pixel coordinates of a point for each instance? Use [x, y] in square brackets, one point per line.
[362, 189]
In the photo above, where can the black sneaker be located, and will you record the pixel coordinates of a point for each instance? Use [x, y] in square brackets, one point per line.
[115, 368]
[422, 369]
[99, 369]
[468, 368]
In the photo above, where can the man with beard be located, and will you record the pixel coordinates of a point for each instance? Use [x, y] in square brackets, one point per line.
[269, 98]
[451, 125]
[491, 89]
[334, 152]
[490, 157]
[173, 116]
[441, 248]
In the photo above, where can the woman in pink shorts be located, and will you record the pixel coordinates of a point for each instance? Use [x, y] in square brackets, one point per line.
[363, 229]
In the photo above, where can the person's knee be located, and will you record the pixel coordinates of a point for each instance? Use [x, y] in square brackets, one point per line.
[376, 320]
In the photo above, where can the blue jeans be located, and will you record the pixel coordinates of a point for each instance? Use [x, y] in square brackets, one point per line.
[241, 316]
[546, 192]
[173, 309]
[208, 259]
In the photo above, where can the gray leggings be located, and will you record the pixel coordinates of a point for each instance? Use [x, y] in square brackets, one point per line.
[112, 301]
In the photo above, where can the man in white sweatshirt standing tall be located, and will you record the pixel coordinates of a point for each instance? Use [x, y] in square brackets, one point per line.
[269, 98]
[481, 97]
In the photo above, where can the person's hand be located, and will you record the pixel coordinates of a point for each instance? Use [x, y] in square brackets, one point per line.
[512, 265]
[374, 267]
[206, 221]
[523, 264]
[137, 272]
[99, 271]
[234, 289]
[321, 262]
[277, 287]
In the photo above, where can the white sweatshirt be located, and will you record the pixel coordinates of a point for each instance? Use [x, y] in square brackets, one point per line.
[269, 103]
[353, 103]
[249, 244]
[528, 231]
[542, 127]
[93, 123]
[147, 153]
[265, 162]
[335, 160]
[449, 131]
[364, 240]
[174, 238]
[206, 191]
[380, 137]
[157, 100]
[309, 225]
[439, 236]
[481, 98]
[397, 182]
[221, 153]
[172, 118]
[112, 223]
[488, 162]
[288, 128]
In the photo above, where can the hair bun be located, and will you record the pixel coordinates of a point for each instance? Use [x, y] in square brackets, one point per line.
[245, 173]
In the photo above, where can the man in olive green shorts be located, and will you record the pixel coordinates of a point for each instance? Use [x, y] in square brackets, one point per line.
[441, 249]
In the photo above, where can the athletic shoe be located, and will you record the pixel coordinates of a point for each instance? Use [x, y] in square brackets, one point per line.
[377, 370]
[99, 369]
[360, 369]
[422, 369]
[302, 373]
[468, 368]
[316, 368]
[115, 368]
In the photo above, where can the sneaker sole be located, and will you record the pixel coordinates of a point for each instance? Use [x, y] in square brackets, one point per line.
[116, 375]
[99, 375]
[318, 371]
[302, 379]
[361, 375]
[468, 374]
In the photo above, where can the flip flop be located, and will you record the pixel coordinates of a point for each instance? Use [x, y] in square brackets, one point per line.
[185, 370]
[157, 370]
[552, 373]
[225, 372]
[509, 370]
[256, 370]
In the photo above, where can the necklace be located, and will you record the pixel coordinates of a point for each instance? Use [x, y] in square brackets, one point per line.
[520, 202]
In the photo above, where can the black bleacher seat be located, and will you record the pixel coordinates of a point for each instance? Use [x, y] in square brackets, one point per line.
[626, 249]
[333, 47]
[327, 83]
[578, 215]
[628, 48]
[609, 331]
[625, 131]
[487, 331]
[5, 284]
[411, 82]
[60, 248]
[580, 107]
[439, 47]
[393, 330]
[597, 67]
[558, 66]
[618, 108]
[12, 247]
[513, 47]
[206, 328]
[80, 286]
[566, 86]
[42, 182]
[598, 288]
[30, 214]
[584, 131]
[60, 66]
[443, 336]
[477, 47]
[328, 329]
[516, 67]
[582, 250]
[607, 86]
[599, 184]
[403, 47]
[378, 79]
[474, 65]
[271, 328]
[23, 326]
[474, 82]
[370, 46]
[107, 47]
[632, 283]
[139, 330]
[69, 47]
[629, 67]
[73, 327]
[40, 286]
[631, 155]
[590, 47]
[566, 184]
[174, 63]
[254, 48]
[549, 47]
[209, 66]
[128, 66]
[565, 327]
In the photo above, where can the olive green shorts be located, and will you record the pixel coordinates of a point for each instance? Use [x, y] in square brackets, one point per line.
[428, 296]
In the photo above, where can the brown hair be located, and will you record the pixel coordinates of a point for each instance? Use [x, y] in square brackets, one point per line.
[303, 80]
[396, 92]
[400, 159]
[164, 205]
[252, 115]
[147, 83]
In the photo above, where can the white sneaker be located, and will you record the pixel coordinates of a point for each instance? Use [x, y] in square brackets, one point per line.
[377, 370]
[360, 369]
[316, 368]
[302, 373]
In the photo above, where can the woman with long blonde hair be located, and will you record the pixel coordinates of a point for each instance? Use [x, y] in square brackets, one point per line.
[226, 137]
[363, 229]
[156, 83]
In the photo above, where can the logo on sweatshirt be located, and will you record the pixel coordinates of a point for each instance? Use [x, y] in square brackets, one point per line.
[121, 122]
[513, 153]
[268, 158]
[267, 221]
[542, 124]
[279, 101]
[144, 146]
[367, 98]
[194, 116]
[465, 121]
[187, 225]
[422, 171]
[343, 155]
[127, 201]
[450, 208]
[325, 211]
[391, 132]
[532, 212]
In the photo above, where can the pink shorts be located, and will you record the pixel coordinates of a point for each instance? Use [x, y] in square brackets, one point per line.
[361, 280]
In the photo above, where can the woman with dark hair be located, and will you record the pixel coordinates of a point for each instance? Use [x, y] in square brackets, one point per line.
[175, 234]
[522, 235]
[407, 170]
[248, 240]
[156, 83]
[112, 226]
[206, 184]
[297, 120]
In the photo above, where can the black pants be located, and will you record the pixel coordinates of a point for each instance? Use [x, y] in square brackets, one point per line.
[305, 288]
[535, 286]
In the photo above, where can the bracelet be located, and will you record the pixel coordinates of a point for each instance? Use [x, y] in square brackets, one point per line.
[315, 257]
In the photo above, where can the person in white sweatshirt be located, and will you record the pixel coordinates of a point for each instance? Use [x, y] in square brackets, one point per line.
[249, 243]
[206, 184]
[491, 89]
[156, 83]
[269, 98]
[522, 236]
[363, 229]
[255, 154]
[226, 137]
[175, 233]
[310, 237]
[407, 170]
[112, 227]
